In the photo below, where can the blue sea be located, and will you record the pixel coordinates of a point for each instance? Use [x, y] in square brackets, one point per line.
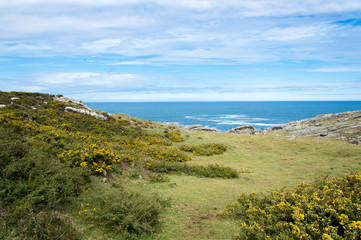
[226, 115]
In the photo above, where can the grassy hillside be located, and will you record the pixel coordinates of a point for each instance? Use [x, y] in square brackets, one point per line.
[121, 177]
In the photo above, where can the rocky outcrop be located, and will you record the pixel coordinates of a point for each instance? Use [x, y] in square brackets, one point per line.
[78, 103]
[248, 129]
[86, 112]
[344, 126]
[199, 127]
[79, 107]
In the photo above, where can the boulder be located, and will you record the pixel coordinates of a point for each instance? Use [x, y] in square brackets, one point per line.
[195, 126]
[248, 129]
[199, 127]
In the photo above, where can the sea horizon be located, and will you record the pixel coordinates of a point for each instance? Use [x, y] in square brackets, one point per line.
[225, 115]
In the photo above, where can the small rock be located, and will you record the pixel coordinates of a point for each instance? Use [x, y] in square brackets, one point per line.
[247, 129]
[199, 127]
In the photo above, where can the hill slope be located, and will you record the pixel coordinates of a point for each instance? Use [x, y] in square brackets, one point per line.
[69, 172]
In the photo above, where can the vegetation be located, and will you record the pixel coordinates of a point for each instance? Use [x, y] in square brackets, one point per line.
[211, 170]
[205, 149]
[175, 136]
[66, 175]
[328, 209]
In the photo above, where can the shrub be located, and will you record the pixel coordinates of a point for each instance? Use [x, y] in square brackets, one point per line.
[170, 154]
[154, 178]
[328, 209]
[33, 185]
[215, 171]
[174, 136]
[93, 158]
[122, 211]
[205, 149]
[49, 224]
[211, 170]
[155, 150]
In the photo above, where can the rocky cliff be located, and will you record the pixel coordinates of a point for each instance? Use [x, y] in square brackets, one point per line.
[344, 126]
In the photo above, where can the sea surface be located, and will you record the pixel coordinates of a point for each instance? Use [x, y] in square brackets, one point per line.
[226, 115]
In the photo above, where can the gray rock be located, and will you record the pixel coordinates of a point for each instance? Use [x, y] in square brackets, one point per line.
[248, 129]
[339, 126]
[70, 100]
[192, 127]
[199, 127]
[86, 112]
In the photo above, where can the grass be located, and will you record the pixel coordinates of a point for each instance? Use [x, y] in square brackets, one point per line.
[265, 162]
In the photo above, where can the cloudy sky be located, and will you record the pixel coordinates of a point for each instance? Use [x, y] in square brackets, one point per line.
[183, 50]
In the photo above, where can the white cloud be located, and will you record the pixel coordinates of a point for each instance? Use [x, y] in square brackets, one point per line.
[75, 79]
[184, 31]
[335, 69]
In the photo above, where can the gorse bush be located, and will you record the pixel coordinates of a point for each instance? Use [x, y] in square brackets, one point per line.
[32, 186]
[205, 149]
[156, 151]
[211, 170]
[120, 210]
[328, 209]
[93, 158]
[46, 158]
[174, 136]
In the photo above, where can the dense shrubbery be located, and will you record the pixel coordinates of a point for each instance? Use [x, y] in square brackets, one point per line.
[156, 151]
[46, 157]
[32, 186]
[211, 170]
[93, 158]
[122, 211]
[174, 136]
[327, 209]
[205, 149]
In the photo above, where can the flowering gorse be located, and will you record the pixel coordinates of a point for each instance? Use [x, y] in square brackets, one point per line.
[327, 209]
[94, 158]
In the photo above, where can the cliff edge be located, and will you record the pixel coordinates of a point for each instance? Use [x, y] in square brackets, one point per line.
[344, 126]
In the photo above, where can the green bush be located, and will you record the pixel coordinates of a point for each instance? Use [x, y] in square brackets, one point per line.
[122, 211]
[33, 185]
[215, 171]
[211, 170]
[49, 224]
[158, 177]
[328, 209]
[205, 149]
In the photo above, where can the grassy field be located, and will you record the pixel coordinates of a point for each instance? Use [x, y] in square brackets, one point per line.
[265, 162]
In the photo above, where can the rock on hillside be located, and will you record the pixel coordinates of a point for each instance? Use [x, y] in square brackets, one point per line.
[248, 129]
[344, 126]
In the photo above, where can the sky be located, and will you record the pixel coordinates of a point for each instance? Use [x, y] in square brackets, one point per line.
[183, 50]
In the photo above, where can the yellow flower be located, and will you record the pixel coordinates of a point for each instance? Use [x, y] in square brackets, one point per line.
[325, 236]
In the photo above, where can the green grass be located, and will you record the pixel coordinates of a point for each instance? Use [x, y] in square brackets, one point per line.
[265, 162]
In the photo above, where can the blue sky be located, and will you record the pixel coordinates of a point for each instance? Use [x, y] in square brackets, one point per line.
[184, 50]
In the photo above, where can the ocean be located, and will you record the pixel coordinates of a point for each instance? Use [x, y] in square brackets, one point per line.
[226, 115]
